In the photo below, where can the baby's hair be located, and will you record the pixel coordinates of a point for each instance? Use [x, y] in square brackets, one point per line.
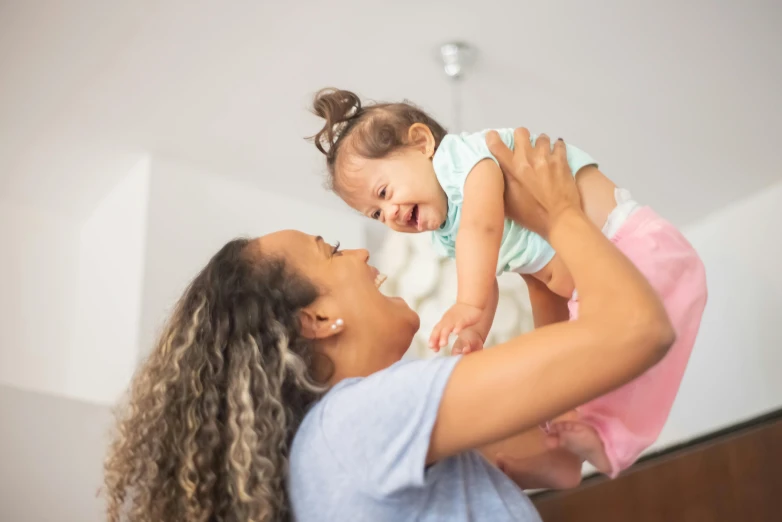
[373, 131]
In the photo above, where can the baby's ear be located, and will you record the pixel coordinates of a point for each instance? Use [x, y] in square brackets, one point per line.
[420, 136]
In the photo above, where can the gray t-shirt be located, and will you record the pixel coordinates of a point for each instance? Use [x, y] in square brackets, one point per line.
[360, 455]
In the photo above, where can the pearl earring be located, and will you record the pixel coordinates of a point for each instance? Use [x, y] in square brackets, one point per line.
[338, 322]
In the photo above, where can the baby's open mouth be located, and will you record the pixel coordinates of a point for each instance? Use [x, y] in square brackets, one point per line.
[414, 217]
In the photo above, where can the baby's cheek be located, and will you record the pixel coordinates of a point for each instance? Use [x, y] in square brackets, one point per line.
[395, 226]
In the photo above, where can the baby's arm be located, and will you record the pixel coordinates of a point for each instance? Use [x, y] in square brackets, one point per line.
[473, 337]
[477, 249]
[480, 234]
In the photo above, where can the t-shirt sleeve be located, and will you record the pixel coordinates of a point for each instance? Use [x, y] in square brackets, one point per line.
[456, 156]
[578, 159]
[527, 252]
[442, 247]
[379, 428]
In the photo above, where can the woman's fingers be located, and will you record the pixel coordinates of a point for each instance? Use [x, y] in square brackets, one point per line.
[559, 159]
[543, 146]
[522, 157]
[559, 149]
[522, 142]
[500, 151]
[538, 181]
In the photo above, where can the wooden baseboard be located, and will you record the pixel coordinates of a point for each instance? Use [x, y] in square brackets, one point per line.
[735, 472]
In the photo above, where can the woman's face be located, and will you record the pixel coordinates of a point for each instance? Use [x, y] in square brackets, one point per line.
[374, 331]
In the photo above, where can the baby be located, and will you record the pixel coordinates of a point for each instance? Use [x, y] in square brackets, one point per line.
[394, 163]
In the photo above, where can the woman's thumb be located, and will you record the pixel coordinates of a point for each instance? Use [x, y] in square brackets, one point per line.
[500, 151]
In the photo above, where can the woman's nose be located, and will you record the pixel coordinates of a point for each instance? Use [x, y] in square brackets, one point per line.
[361, 253]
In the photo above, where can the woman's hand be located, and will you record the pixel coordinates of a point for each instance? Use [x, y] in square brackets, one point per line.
[622, 328]
[539, 185]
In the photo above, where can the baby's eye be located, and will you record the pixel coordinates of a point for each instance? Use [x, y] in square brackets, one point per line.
[375, 214]
[383, 193]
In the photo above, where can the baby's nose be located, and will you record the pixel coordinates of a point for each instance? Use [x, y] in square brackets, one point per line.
[393, 212]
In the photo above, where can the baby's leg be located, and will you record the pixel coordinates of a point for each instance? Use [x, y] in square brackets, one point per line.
[629, 419]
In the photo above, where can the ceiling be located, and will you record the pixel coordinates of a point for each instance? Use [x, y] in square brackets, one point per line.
[679, 101]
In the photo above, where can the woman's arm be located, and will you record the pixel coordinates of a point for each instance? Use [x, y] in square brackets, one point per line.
[525, 457]
[621, 331]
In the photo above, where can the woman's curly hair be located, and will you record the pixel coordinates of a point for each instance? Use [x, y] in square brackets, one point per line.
[211, 413]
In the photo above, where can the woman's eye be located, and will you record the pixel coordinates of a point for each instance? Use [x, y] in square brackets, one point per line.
[336, 251]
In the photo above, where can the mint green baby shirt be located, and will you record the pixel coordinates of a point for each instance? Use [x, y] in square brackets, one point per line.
[521, 250]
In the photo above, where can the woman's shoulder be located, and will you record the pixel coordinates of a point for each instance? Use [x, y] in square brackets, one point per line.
[357, 407]
[403, 375]
[372, 433]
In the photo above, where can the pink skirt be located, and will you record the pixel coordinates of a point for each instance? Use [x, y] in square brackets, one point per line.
[629, 419]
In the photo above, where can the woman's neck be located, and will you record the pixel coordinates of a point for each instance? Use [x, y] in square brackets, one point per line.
[351, 358]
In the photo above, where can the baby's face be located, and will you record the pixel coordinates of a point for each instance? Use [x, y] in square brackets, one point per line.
[400, 190]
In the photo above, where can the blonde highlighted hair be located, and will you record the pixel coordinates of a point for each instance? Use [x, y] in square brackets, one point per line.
[206, 429]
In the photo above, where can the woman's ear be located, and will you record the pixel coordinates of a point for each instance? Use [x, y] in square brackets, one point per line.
[420, 136]
[316, 325]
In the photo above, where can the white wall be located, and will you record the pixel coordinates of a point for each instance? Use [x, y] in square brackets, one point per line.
[52, 451]
[71, 293]
[111, 272]
[39, 272]
[81, 301]
[74, 300]
[734, 373]
[192, 213]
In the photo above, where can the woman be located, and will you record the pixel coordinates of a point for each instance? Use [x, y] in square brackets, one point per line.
[286, 335]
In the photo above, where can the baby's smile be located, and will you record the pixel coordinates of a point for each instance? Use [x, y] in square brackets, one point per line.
[412, 218]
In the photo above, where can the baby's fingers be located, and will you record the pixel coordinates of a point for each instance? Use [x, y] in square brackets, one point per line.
[440, 334]
[445, 333]
[434, 338]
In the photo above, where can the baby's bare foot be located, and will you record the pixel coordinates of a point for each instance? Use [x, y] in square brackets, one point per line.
[580, 439]
[549, 470]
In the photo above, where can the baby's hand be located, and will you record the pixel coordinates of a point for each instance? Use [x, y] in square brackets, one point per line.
[468, 341]
[456, 319]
